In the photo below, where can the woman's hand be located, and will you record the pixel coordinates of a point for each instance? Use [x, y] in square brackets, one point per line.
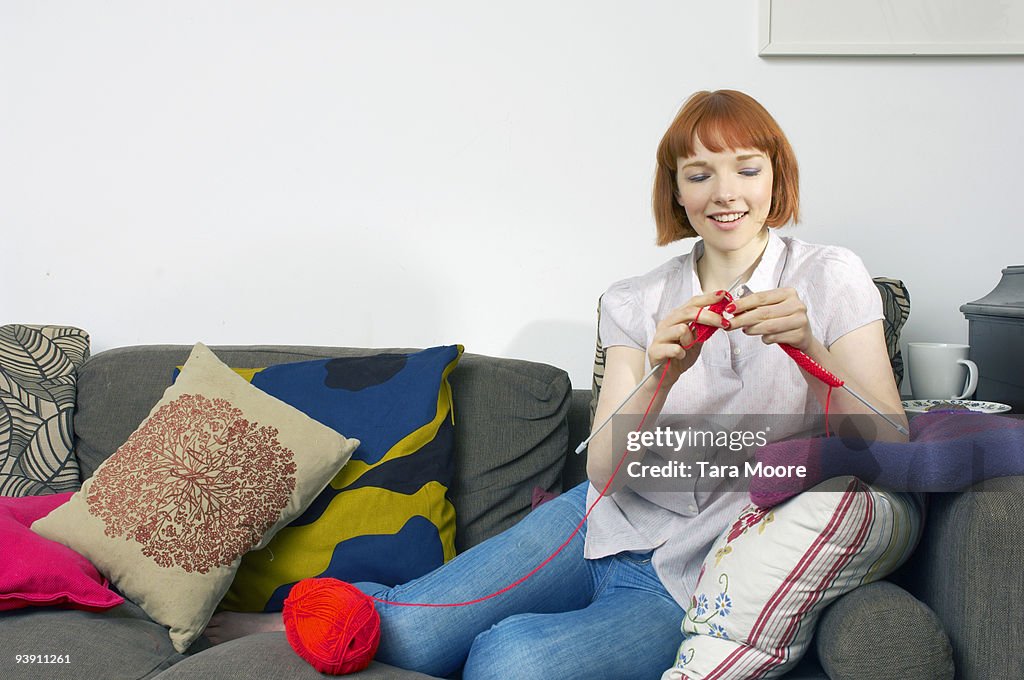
[672, 334]
[778, 316]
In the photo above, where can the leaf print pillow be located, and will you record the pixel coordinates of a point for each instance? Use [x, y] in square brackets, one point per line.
[770, 574]
[214, 471]
[38, 373]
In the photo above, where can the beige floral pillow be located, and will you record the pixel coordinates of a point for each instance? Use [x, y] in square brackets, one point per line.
[213, 472]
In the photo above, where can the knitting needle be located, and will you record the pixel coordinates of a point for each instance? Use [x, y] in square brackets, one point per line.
[583, 444]
[643, 381]
[899, 428]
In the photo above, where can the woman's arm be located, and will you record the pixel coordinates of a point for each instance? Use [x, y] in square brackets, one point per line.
[624, 367]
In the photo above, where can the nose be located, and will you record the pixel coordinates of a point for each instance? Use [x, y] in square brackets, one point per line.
[725, 191]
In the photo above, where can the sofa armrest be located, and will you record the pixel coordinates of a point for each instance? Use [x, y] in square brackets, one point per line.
[968, 569]
[881, 631]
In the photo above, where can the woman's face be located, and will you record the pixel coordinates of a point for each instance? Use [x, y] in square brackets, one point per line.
[727, 195]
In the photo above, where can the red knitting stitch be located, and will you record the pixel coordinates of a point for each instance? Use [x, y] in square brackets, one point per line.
[702, 332]
[815, 369]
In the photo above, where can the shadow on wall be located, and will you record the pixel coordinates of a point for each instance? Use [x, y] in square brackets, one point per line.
[566, 344]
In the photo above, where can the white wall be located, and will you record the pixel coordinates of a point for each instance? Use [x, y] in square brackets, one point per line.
[403, 173]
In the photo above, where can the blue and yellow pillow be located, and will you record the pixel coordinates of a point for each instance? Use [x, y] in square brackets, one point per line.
[386, 517]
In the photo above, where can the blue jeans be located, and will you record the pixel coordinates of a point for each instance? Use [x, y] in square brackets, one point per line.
[575, 618]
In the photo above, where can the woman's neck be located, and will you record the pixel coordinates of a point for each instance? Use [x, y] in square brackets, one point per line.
[718, 269]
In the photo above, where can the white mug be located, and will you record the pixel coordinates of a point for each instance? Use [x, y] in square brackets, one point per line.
[940, 370]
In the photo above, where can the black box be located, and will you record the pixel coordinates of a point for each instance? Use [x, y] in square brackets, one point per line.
[996, 335]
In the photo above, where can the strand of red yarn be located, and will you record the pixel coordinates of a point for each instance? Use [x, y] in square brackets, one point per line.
[555, 554]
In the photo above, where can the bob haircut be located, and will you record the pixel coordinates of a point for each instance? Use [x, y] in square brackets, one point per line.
[724, 119]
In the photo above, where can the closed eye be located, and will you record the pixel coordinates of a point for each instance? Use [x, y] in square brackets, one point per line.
[750, 172]
[697, 178]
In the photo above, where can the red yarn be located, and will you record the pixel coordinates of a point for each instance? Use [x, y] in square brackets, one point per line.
[332, 625]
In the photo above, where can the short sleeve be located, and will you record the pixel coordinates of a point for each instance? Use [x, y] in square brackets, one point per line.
[622, 321]
[842, 297]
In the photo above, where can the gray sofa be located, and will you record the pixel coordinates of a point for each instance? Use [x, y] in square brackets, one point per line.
[517, 423]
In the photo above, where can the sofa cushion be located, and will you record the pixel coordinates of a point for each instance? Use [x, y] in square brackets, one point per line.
[38, 366]
[121, 643]
[768, 576]
[217, 468]
[37, 572]
[511, 433]
[968, 571]
[510, 420]
[874, 617]
[267, 656]
[386, 517]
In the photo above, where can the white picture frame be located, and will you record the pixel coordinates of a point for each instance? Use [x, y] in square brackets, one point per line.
[890, 27]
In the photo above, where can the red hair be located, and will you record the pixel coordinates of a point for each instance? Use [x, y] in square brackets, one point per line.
[724, 119]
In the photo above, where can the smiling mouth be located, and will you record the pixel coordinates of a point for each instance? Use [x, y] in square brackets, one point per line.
[726, 218]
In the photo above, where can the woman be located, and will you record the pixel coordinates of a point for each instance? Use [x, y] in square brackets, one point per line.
[610, 603]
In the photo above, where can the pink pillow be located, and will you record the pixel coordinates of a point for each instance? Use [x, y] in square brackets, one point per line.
[36, 571]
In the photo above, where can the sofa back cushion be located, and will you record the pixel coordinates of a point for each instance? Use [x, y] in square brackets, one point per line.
[510, 420]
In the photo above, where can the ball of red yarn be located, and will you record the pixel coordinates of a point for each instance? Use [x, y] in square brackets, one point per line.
[331, 624]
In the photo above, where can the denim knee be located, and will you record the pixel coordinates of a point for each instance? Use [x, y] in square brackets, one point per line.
[411, 640]
[515, 649]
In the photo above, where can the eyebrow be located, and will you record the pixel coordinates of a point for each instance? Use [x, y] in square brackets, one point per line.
[744, 157]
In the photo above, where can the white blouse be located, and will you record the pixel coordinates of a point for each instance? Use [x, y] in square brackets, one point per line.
[735, 375]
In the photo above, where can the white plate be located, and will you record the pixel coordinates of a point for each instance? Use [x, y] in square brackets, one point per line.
[921, 405]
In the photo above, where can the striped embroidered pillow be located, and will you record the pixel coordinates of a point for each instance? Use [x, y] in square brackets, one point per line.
[772, 572]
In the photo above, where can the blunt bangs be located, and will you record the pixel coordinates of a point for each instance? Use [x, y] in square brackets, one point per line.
[720, 120]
